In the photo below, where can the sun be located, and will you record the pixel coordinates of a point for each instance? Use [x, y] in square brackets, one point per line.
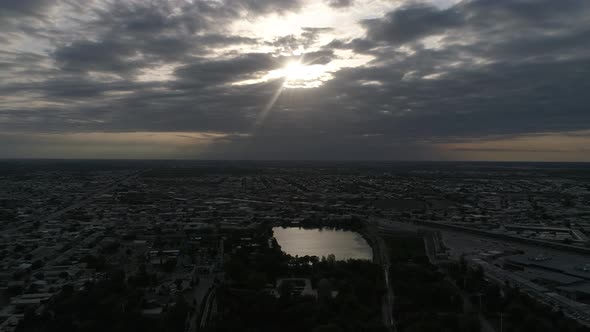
[297, 74]
[296, 71]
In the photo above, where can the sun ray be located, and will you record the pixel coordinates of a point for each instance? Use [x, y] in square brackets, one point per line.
[263, 114]
[295, 74]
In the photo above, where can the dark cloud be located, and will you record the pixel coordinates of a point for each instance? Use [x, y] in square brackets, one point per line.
[480, 22]
[318, 58]
[412, 22]
[213, 40]
[265, 6]
[500, 68]
[141, 19]
[24, 16]
[339, 3]
[111, 56]
[25, 7]
[136, 36]
[311, 35]
[210, 72]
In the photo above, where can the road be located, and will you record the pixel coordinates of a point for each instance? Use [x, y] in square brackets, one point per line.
[208, 308]
[200, 292]
[572, 309]
[383, 259]
[461, 243]
[468, 243]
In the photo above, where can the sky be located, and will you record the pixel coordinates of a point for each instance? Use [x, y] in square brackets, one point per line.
[295, 79]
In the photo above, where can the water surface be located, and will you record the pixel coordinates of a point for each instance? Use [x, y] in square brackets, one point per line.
[323, 242]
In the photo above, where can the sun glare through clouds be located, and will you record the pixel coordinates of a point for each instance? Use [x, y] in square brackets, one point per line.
[296, 74]
[300, 75]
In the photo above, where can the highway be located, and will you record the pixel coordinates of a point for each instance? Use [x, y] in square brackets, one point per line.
[572, 309]
[461, 243]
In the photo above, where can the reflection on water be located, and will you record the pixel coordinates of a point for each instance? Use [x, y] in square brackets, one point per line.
[322, 242]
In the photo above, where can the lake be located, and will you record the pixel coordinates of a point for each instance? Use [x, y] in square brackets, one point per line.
[322, 242]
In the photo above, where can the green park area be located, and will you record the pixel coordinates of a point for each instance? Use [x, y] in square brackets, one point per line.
[343, 295]
[112, 304]
[424, 299]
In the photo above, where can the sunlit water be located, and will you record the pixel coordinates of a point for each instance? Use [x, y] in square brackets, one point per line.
[323, 242]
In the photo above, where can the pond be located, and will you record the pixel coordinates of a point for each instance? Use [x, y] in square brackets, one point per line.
[322, 242]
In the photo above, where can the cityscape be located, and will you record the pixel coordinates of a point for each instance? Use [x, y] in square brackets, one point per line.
[315, 246]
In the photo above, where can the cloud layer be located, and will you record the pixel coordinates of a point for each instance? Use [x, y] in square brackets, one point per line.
[403, 80]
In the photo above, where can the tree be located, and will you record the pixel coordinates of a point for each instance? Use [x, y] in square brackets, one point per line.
[285, 291]
[327, 328]
[256, 280]
[169, 265]
[175, 320]
[37, 264]
[331, 259]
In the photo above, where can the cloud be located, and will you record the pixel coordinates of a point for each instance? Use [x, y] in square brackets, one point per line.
[318, 57]
[211, 72]
[25, 7]
[296, 43]
[95, 56]
[339, 3]
[131, 37]
[412, 22]
[265, 6]
[403, 84]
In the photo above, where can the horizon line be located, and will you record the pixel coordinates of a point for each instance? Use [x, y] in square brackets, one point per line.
[294, 160]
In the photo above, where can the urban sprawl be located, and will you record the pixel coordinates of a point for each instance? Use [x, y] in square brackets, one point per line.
[189, 246]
